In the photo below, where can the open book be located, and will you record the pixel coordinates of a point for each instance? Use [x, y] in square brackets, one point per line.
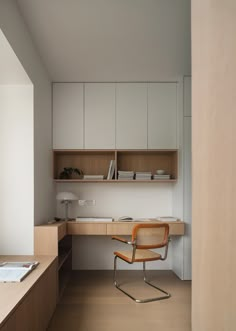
[16, 271]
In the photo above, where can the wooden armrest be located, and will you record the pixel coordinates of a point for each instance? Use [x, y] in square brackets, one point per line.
[123, 240]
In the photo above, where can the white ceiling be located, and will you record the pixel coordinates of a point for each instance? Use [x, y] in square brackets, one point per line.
[111, 40]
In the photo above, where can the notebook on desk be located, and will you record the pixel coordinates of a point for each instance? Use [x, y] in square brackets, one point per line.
[130, 219]
[16, 271]
[93, 219]
[167, 218]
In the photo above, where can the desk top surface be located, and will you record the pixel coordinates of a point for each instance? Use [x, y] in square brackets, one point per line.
[13, 293]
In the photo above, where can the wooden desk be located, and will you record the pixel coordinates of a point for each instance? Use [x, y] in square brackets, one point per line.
[29, 305]
[115, 228]
[56, 239]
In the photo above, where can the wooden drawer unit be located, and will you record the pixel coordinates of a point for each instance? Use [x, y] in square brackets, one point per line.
[120, 228]
[76, 228]
[125, 228]
[29, 305]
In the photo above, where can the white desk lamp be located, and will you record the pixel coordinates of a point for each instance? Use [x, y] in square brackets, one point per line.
[66, 198]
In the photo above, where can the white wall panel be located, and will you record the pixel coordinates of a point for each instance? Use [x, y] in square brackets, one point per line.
[100, 104]
[162, 115]
[68, 116]
[131, 116]
[16, 169]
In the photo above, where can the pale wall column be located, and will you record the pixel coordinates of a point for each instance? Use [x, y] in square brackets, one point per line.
[16, 170]
[214, 165]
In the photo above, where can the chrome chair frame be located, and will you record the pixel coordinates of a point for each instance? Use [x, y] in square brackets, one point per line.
[145, 278]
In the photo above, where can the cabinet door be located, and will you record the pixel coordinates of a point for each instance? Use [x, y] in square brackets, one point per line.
[162, 115]
[131, 116]
[68, 116]
[187, 96]
[100, 116]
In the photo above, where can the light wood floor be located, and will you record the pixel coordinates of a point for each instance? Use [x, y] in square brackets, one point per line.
[91, 303]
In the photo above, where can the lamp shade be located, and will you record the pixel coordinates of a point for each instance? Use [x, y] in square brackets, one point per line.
[66, 196]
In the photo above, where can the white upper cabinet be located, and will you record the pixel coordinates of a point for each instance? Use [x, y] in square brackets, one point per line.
[187, 96]
[68, 116]
[162, 115]
[100, 115]
[131, 116]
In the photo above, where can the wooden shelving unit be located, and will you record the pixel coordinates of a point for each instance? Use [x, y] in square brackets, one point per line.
[52, 239]
[96, 162]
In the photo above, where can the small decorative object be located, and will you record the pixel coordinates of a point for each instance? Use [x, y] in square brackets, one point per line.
[161, 172]
[68, 172]
[66, 198]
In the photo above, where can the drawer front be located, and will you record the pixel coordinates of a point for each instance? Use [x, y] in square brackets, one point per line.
[126, 228]
[176, 229]
[120, 228]
[86, 229]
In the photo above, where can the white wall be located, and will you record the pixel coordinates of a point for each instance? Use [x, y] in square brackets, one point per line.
[16, 169]
[119, 199]
[13, 27]
[96, 252]
[10, 67]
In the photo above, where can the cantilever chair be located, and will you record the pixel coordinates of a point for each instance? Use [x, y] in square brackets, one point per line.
[144, 238]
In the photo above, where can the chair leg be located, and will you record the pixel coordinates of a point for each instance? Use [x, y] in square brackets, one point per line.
[167, 295]
[115, 280]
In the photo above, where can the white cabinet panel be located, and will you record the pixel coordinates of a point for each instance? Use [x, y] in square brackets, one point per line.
[100, 116]
[162, 115]
[68, 117]
[131, 116]
[187, 96]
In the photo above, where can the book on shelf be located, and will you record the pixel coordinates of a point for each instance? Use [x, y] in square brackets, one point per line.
[111, 170]
[16, 271]
[125, 175]
[161, 177]
[143, 175]
[93, 177]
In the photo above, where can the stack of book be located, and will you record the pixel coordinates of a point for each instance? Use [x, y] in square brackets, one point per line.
[125, 175]
[93, 177]
[143, 175]
[161, 177]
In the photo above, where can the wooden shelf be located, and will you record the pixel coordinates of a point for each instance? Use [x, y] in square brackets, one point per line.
[63, 257]
[96, 162]
[114, 181]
